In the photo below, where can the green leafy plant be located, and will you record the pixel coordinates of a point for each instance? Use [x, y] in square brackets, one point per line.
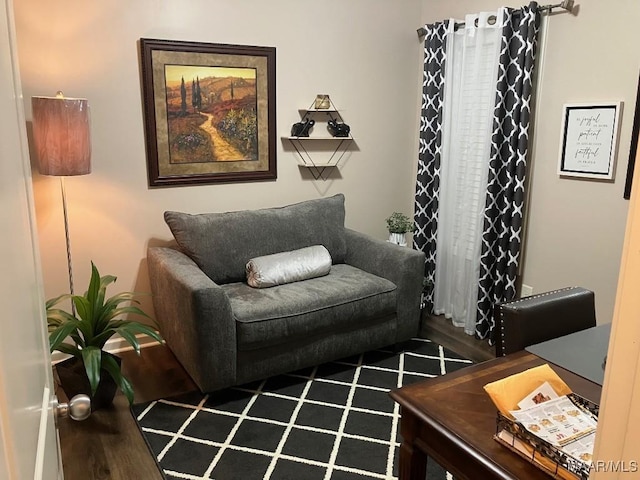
[399, 223]
[95, 321]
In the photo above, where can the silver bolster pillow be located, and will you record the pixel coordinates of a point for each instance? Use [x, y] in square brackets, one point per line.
[287, 267]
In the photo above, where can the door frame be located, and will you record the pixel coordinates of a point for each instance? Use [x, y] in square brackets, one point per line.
[29, 446]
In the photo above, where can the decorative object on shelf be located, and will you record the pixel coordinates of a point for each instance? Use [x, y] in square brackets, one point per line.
[398, 225]
[62, 137]
[95, 323]
[302, 129]
[327, 150]
[200, 94]
[322, 102]
[589, 140]
[338, 129]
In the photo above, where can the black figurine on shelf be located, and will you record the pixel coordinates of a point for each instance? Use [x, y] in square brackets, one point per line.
[338, 129]
[301, 129]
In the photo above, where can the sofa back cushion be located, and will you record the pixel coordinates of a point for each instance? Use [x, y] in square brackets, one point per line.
[222, 243]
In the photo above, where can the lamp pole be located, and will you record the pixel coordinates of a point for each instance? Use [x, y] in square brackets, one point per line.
[68, 241]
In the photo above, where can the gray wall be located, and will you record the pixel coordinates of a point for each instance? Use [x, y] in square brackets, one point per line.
[366, 55]
[363, 53]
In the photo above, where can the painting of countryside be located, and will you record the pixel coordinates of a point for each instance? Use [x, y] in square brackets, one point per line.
[211, 114]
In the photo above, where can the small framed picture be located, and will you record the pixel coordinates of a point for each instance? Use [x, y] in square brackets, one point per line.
[589, 140]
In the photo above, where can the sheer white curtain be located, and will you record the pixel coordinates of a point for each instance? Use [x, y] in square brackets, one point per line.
[469, 100]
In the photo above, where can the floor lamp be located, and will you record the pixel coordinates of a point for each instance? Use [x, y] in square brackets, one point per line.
[63, 146]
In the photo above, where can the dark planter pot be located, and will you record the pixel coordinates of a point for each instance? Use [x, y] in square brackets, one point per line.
[74, 380]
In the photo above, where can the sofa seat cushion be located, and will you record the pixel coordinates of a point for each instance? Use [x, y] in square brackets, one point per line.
[342, 300]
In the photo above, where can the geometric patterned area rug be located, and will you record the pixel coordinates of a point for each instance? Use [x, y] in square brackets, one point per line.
[334, 421]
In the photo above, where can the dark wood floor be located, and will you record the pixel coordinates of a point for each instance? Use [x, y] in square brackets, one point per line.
[442, 331]
[108, 445]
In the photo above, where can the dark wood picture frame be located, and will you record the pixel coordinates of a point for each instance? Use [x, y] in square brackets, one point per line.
[634, 146]
[210, 112]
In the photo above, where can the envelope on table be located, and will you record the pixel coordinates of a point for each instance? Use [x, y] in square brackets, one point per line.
[508, 392]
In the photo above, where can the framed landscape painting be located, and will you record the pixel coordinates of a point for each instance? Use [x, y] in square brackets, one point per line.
[209, 112]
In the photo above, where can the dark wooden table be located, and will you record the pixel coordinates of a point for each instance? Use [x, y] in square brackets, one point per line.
[452, 420]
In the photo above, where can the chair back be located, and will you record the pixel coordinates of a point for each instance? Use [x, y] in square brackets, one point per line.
[542, 317]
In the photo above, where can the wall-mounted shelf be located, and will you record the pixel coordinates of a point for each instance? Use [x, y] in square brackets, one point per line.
[336, 147]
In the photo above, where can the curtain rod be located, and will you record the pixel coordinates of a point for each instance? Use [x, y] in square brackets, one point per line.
[566, 5]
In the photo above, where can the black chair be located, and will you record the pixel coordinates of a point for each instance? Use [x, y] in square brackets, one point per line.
[541, 317]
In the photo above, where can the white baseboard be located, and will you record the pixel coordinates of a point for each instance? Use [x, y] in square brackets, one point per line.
[114, 345]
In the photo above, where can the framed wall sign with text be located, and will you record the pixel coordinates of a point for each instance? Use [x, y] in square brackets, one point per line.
[589, 140]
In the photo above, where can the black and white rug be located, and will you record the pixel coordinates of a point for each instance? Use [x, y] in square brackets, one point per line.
[332, 422]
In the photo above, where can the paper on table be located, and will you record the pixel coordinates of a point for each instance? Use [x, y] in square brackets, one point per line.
[541, 394]
[558, 421]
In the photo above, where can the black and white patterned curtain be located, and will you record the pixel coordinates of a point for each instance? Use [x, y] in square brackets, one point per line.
[428, 179]
[503, 219]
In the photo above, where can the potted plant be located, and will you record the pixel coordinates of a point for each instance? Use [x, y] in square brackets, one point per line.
[399, 225]
[93, 321]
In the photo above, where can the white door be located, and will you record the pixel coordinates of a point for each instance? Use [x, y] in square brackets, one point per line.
[28, 439]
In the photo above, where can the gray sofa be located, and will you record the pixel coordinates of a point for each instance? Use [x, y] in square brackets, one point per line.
[226, 333]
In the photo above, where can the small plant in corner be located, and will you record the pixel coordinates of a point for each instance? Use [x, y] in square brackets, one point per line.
[96, 320]
[399, 223]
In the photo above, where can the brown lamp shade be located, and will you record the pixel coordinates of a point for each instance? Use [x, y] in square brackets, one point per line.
[61, 135]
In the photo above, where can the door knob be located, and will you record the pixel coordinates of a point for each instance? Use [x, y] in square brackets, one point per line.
[78, 408]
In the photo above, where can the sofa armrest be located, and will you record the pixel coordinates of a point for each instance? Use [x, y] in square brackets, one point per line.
[195, 318]
[401, 265]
